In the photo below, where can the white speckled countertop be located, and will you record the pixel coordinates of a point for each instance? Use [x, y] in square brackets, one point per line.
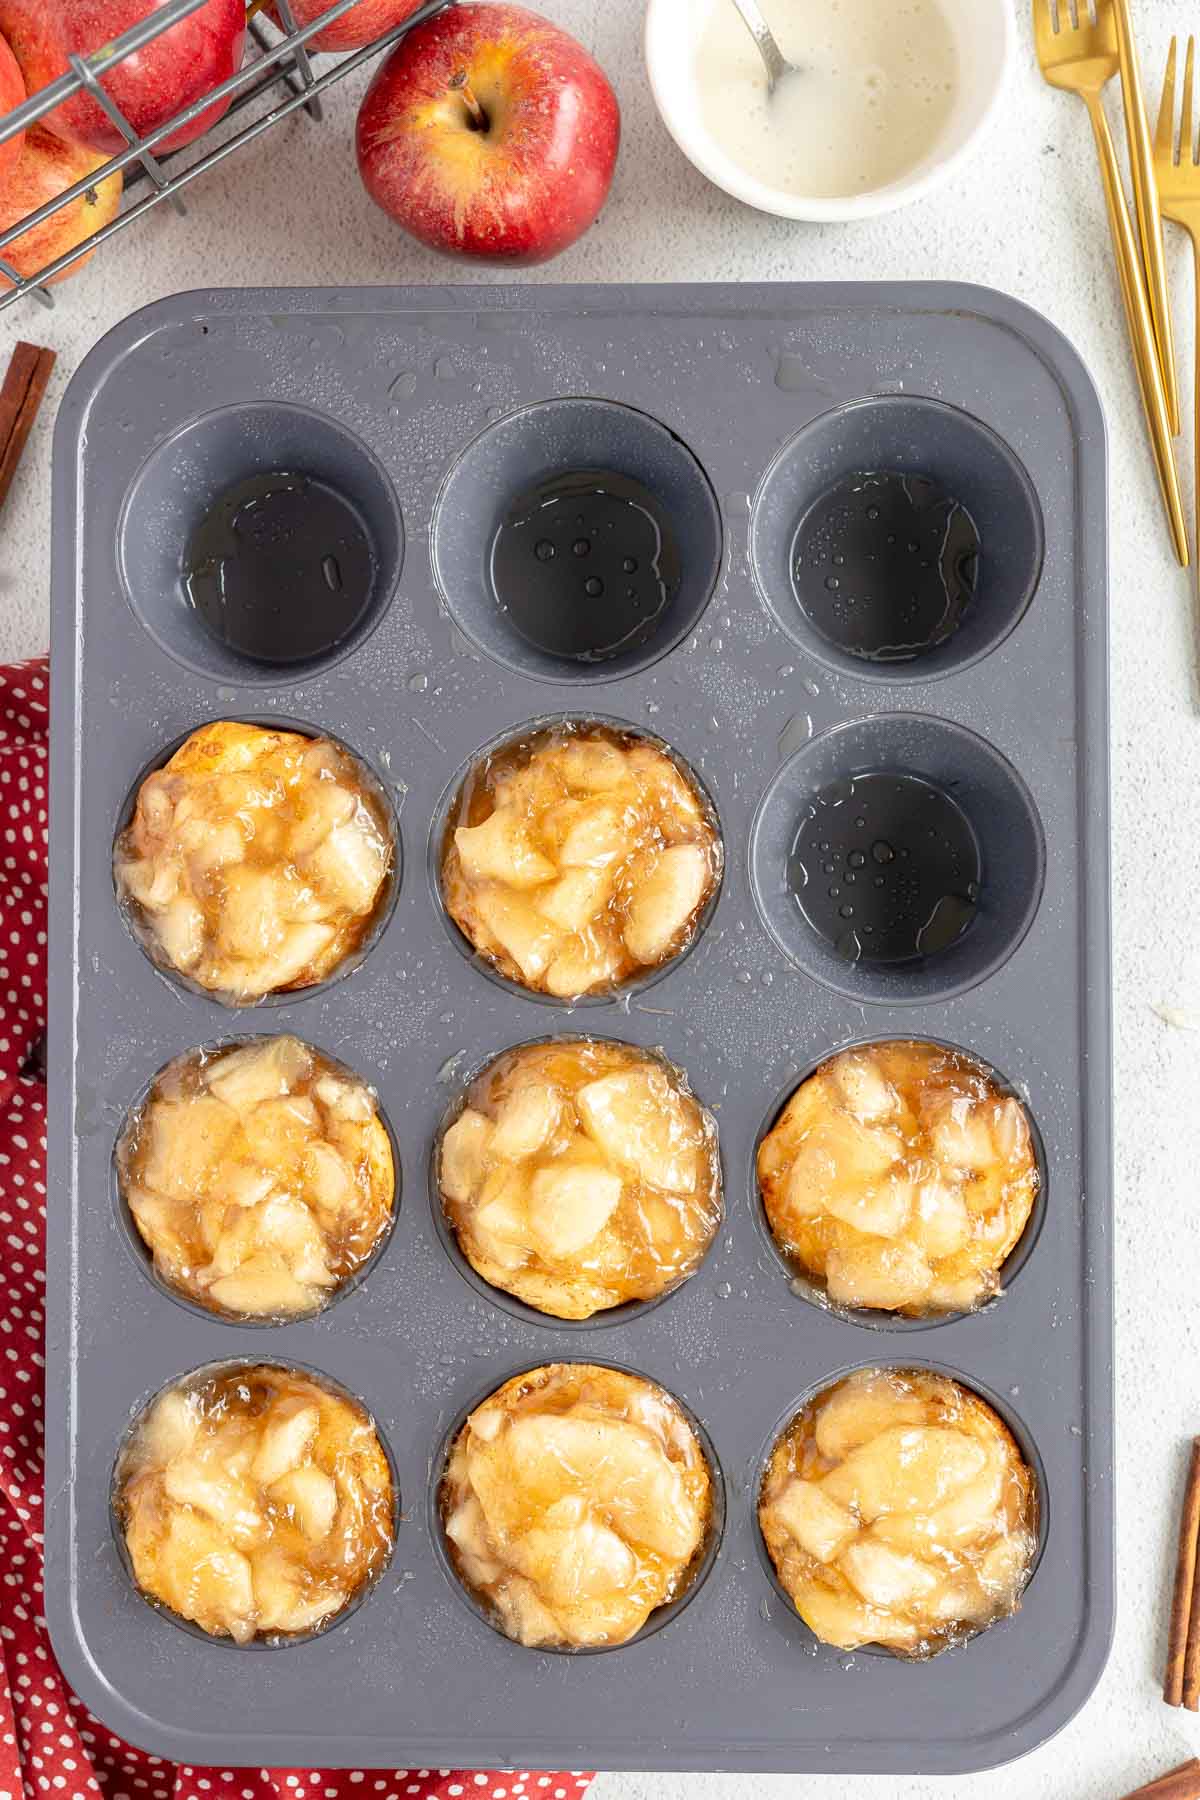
[1024, 216]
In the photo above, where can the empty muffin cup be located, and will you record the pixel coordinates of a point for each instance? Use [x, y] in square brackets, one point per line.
[897, 858]
[254, 1503]
[576, 540]
[575, 858]
[254, 862]
[896, 539]
[257, 1180]
[260, 542]
[579, 1507]
[577, 1180]
[900, 1511]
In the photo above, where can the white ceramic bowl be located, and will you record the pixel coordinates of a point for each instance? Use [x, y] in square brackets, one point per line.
[984, 33]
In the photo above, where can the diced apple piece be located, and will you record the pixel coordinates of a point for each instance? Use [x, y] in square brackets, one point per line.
[877, 1273]
[242, 1183]
[638, 1118]
[1010, 1130]
[942, 1223]
[570, 1204]
[973, 1509]
[151, 882]
[598, 834]
[839, 1618]
[528, 939]
[818, 1525]
[592, 766]
[302, 946]
[187, 1141]
[580, 1562]
[345, 1099]
[286, 1225]
[861, 1407]
[325, 805]
[662, 904]
[212, 846]
[657, 773]
[350, 864]
[887, 1578]
[171, 1428]
[251, 925]
[527, 1119]
[573, 901]
[880, 1210]
[961, 1293]
[259, 1071]
[164, 1222]
[961, 1138]
[283, 1604]
[328, 1179]
[313, 1499]
[261, 1287]
[464, 1150]
[278, 1131]
[1003, 1568]
[286, 1440]
[500, 850]
[580, 968]
[525, 1617]
[190, 1482]
[180, 930]
[501, 1225]
[906, 1468]
[205, 1578]
[863, 1088]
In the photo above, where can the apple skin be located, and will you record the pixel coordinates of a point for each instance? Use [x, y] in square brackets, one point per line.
[361, 25]
[12, 93]
[171, 72]
[46, 166]
[524, 188]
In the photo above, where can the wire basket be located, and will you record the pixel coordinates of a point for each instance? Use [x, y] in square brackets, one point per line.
[278, 71]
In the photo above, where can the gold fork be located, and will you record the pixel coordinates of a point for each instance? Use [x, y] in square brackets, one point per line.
[1177, 176]
[1079, 54]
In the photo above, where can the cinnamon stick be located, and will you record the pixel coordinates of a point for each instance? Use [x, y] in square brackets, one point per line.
[1182, 1783]
[20, 397]
[1183, 1642]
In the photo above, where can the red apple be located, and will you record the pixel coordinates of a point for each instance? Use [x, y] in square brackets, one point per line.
[488, 131]
[173, 70]
[45, 167]
[12, 93]
[361, 25]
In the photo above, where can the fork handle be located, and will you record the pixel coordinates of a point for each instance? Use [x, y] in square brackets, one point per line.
[1141, 328]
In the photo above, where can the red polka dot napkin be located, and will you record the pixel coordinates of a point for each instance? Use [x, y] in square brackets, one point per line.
[50, 1744]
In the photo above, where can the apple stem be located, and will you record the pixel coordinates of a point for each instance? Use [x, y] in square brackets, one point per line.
[460, 85]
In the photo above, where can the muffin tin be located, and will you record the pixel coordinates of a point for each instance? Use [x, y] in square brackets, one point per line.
[736, 404]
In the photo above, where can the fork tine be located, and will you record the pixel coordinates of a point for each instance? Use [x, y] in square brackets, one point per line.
[1187, 129]
[1164, 130]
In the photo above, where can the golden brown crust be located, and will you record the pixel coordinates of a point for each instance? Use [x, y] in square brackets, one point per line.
[898, 1510]
[900, 1176]
[260, 1176]
[576, 1501]
[580, 1175]
[579, 857]
[255, 1501]
[256, 861]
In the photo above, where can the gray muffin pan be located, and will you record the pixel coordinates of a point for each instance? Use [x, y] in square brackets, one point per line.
[735, 405]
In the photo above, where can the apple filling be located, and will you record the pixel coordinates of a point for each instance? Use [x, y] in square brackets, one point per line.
[898, 1510]
[255, 861]
[578, 858]
[576, 1500]
[899, 1177]
[254, 1501]
[260, 1177]
[581, 1175]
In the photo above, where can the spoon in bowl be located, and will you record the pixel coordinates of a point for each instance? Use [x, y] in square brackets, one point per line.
[776, 62]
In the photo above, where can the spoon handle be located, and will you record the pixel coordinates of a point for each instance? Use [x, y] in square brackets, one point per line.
[760, 31]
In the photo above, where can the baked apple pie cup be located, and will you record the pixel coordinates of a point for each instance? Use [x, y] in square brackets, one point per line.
[579, 1507]
[254, 1503]
[575, 858]
[899, 1512]
[255, 862]
[257, 1180]
[577, 1180]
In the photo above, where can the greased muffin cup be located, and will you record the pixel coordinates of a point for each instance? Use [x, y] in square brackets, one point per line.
[479, 444]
